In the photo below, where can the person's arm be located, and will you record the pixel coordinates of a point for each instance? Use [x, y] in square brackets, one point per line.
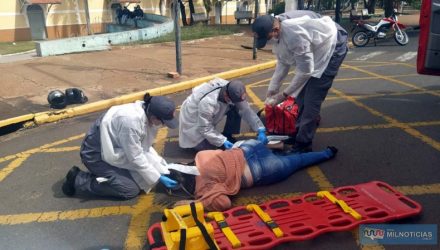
[304, 68]
[205, 123]
[280, 73]
[249, 115]
[130, 140]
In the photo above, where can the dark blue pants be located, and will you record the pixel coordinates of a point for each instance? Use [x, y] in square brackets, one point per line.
[120, 183]
[313, 94]
[268, 168]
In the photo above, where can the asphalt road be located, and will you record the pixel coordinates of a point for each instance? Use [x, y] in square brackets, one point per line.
[380, 113]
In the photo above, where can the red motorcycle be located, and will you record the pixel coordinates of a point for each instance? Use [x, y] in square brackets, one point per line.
[366, 31]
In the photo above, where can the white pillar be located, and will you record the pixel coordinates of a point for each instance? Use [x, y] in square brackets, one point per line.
[291, 5]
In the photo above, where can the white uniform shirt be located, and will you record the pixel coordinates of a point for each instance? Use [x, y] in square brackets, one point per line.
[126, 142]
[199, 115]
[307, 43]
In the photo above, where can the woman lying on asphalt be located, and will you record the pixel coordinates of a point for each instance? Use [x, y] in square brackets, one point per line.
[223, 173]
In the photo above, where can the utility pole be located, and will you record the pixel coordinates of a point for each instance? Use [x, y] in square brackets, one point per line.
[338, 11]
[86, 7]
[254, 47]
[176, 12]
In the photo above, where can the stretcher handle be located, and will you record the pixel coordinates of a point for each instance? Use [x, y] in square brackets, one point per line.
[223, 225]
[266, 219]
[346, 208]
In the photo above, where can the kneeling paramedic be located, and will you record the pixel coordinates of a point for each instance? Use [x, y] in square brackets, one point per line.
[317, 46]
[118, 152]
[208, 104]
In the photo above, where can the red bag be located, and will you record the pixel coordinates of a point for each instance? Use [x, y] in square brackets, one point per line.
[281, 119]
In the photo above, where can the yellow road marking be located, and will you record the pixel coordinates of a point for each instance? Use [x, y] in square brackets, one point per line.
[392, 80]
[62, 149]
[319, 178]
[339, 80]
[38, 149]
[428, 140]
[15, 219]
[417, 92]
[145, 205]
[391, 63]
[21, 157]
[347, 128]
[139, 221]
[13, 165]
[254, 98]
[420, 189]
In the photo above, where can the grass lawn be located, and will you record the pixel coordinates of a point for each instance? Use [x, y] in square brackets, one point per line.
[10, 48]
[198, 31]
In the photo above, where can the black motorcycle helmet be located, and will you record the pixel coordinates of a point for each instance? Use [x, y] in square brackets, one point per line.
[75, 96]
[57, 99]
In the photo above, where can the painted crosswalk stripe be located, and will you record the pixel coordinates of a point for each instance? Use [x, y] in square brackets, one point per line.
[406, 57]
[369, 56]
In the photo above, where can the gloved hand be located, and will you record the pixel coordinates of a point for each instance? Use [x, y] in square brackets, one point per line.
[169, 183]
[262, 135]
[227, 144]
[275, 99]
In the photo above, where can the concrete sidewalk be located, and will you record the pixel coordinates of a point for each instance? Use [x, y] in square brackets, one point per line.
[125, 69]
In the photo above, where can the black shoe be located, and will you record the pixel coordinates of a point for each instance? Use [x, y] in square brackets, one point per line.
[334, 151]
[69, 184]
[299, 147]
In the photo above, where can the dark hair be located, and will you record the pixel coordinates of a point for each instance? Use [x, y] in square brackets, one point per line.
[188, 181]
[147, 99]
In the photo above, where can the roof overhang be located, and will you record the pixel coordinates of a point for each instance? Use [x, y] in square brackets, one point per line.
[127, 1]
[43, 1]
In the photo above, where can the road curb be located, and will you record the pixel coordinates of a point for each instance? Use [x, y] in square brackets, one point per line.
[29, 120]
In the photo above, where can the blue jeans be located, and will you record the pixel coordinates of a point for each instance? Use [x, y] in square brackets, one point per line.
[268, 168]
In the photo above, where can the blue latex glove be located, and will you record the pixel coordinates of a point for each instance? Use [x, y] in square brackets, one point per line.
[262, 135]
[169, 183]
[228, 144]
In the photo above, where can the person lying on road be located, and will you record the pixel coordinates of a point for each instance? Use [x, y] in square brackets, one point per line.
[224, 173]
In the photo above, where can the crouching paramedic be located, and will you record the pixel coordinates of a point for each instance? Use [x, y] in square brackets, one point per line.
[208, 104]
[118, 152]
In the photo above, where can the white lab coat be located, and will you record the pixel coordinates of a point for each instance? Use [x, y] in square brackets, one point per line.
[307, 43]
[126, 142]
[199, 116]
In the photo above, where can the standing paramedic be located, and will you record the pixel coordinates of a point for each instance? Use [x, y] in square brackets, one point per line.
[118, 152]
[317, 46]
[208, 104]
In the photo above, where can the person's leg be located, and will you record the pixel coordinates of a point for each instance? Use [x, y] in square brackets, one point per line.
[311, 97]
[233, 123]
[314, 95]
[294, 162]
[119, 184]
[277, 168]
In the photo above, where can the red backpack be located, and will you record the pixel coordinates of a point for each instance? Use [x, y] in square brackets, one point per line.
[281, 118]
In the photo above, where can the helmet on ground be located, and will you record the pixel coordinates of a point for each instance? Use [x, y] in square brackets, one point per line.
[75, 96]
[57, 99]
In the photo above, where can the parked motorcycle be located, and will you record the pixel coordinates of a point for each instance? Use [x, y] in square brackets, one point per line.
[366, 31]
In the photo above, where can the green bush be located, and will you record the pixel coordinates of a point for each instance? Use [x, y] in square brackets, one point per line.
[278, 8]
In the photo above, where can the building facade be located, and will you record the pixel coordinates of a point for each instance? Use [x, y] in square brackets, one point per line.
[23, 20]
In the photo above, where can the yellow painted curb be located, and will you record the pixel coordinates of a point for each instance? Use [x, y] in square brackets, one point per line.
[52, 116]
